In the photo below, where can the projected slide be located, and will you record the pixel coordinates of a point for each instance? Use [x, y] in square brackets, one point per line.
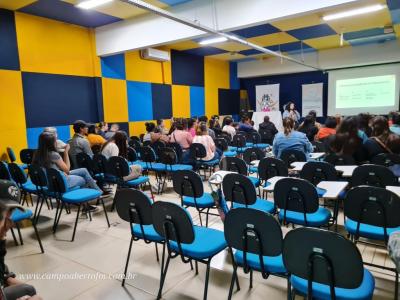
[366, 92]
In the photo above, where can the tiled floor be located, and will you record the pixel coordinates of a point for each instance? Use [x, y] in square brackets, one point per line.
[100, 252]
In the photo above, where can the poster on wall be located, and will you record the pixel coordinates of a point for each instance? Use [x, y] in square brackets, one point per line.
[267, 97]
[312, 98]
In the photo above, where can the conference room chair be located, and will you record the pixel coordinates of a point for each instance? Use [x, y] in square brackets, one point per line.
[373, 175]
[251, 154]
[96, 149]
[266, 137]
[319, 146]
[157, 145]
[270, 167]
[133, 158]
[298, 203]
[197, 154]
[4, 173]
[185, 240]
[238, 143]
[222, 145]
[325, 265]
[189, 186]
[226, 136]
[317, 171]
[38, 177]
[238, 165]
[291, 156]
[239, 190]
[372, 213]
[85, 161]
[134, 207]
[178, 150]
[254, 139]
[13, 158]
[255, 243]
[135, 143]
[25, 185]
[386, 159]
[26, 156]
[340, 160]
[57, 184]
[146, 143]
[149, 157]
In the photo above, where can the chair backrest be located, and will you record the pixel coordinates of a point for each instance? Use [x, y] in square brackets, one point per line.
[100, 163]
[197, 151]
[133, 206]
[373, 175]
[319, 146]
[253, 231]
[26, 155]
[187, 183]
[96, 149]
[178, 150]
[4, 173]
[118, 166]
[132, 155]
[85, 161]
[239, 140]
[290, 156]
[251, 154]
[221, 144]
[11, 154]
[317, 171]
[233, 164]
[172, 222]
[134, 138]
[266, 136]
[296, 195]
[386, 159]
[270, 167]
[226, 136]
[239, 189]
[37, 175]
[135, 143]
[168, 156]
[340, 160]
[157, 145]
[372, 205]
[253, 137]
[17, 174]
[147, 154]
[57, 182]
[324, 257]
[146, 143]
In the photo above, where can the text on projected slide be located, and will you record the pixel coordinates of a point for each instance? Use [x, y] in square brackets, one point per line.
[366, 92]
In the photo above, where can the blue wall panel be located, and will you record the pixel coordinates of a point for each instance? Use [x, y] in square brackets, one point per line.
[234, 82]
[52, 100]
[187, 69]
[162, 101]
[9, 59]
[32, 136]
[140, 107]
[113, 66]
[197, 101]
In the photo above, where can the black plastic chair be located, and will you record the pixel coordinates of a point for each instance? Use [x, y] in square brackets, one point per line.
[198, 153]
[251, 154]
[238, 143]
[185, 240]
[26, 186]
[386, 159]
[319, 146]
[4, 173]
[266, 136]
[189, 186]
[270, 167]
[298, 202]
[39, 179]
[257, 240]
[157, 145]
[340, 160]
[131, 154]
[316, 171]
[85, 161]
[11, 154]
[226, 136]
[222, 145]
[178, 150]
[238, 165]
[134, 206]
[135, 143]
[373, 175]
[291, 156]
[26, 156]
[325, 265]
[254, 139]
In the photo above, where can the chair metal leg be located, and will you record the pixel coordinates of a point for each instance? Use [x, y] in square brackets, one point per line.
[19, 233]
[88, 212]
[289, 289]
[151, 191]
[191, 265]
[201, 223]
[30, 197]
[56, 216]
[57, 219]
[14, 238]
[207, 213]
[40, 210]
[76, 222]
[251, 278]
[207, 279]
[127, 261]
[38, 200]
[163, 275]
[396, 287]
[105, 212]
[37, 236]
[158, 257]
[197, 267]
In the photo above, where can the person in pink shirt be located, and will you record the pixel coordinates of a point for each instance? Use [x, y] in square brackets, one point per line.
[203, 138]
[181, 136]
[192, 124]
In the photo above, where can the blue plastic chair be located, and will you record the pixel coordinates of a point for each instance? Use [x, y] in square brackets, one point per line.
[198, 153]
[238, 165]
[13, 158]
[185, 240]
[25, 185]
[253, 139]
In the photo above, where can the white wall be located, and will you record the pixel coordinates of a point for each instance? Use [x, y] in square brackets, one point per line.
[326, 59]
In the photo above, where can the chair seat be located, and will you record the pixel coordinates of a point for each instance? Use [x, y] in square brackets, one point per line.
[149, 232]
[18, 215]
[81, 195]
[253, 169]
[368, 231]
[238, 149]
[249, 144]
[210, 163]
[230, 153]
[261, 145]
[254, 180]
[207, 243]
[272, 264]
[320, 217]
[23, 166]
[179, 167]
[322, 291]
[138, 181]
[261, 204]
[29, 187]
[204, 201]
[157, 167]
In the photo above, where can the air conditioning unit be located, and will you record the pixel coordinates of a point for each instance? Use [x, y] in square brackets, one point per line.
[155, 54]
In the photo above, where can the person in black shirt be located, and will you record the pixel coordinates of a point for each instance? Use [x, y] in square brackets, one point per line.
[309, 128]
[267, 130]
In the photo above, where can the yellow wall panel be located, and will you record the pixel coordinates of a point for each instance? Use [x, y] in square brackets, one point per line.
[138, 69]
[137, 128]
[115, 100]
[95, 59]
[15, 4]
[216, 75]
[48, 46]
[180, 101]
[12, 113]
[278, 38]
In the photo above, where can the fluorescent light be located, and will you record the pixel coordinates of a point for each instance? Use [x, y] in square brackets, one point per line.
[88, 4]
[354, 12]
[213, 40]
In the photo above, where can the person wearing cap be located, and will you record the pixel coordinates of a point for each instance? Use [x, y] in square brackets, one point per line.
[79, 142]
[60, 144]
[12, 288]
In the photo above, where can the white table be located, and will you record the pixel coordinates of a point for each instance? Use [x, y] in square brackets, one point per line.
[273, 181]
[394, 189]
[347, 171]
[219, 176]
[274, 117]
[333, 188]
[316, 155]
[298, 165]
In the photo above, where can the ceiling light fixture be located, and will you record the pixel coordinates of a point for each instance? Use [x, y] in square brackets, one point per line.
[89, 4]
[354, 12]
[213, 40]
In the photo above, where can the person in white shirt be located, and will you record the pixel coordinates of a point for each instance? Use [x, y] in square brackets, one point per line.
[228, 127]
[203, 138]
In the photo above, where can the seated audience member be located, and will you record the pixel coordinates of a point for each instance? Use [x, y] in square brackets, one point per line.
[308, 127]
[245, 125]
[102, 129]
[212, 126]
[291, 139]
[215, 118]
[378, 142]
[339, 120]
[395, 127]
[328, 129]
[291, 112]
[364, 130]
[152, 135]
[203, 138]
[113, 129]
[347, 141]
[191, 126]
[94, 138]
[118, 146]
[313, 113]
[181, 136]
[210, 131]
[269, 130]
[161, 127]
[173, 126]
[79, 142]
[12, 287]
[228, 127]
[60, 146]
